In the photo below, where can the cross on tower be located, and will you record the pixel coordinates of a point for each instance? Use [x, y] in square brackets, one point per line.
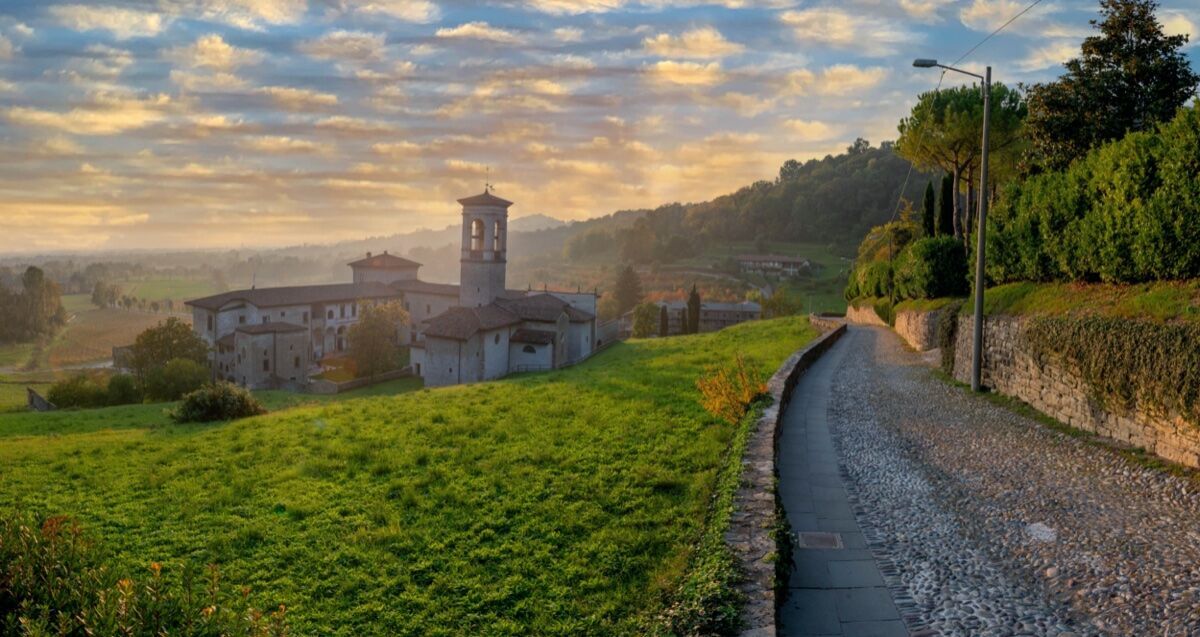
[487, 183]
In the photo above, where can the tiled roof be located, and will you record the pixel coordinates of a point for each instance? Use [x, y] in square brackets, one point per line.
[384, 261]
[486, 199]
[544, 308]
[425, 287]
[267, 328]
[537, 337]
[460, 323]
[297, 295]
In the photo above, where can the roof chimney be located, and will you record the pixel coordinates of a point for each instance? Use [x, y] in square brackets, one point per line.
[368, 254]
[385, 253]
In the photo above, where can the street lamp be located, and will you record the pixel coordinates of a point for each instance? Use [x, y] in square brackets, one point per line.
[977, 348]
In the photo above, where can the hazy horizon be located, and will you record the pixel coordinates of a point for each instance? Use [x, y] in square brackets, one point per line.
[163, 124]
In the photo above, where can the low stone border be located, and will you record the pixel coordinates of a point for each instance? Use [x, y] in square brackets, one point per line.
[755, 518]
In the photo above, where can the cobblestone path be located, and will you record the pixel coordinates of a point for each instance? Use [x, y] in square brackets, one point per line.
[978, 521]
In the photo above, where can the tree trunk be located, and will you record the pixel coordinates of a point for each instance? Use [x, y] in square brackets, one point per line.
[954, 199]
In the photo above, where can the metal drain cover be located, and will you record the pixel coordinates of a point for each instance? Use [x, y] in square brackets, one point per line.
[815, 540]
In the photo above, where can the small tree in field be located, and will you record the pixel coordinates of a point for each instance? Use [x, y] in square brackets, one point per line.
[628, 290]
[169, 340]
[645, 320]
[726, 392]
[375, 339]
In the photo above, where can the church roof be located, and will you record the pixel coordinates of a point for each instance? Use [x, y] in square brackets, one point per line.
[384, 261]
[426, 287]
[461, 323]
[277, 327]
[296, 295]
[543, 308]
[536, 337]
[486, 199]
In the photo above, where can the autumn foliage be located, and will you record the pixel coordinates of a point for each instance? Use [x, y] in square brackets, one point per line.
[726, 392]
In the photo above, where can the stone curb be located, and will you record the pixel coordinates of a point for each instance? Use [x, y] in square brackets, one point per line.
[755, 513]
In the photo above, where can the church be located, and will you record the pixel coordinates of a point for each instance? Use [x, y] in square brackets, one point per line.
[476, 330]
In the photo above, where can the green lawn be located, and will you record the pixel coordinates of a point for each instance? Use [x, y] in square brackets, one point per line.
[562, 503]
[1161, 300]
[177, 289]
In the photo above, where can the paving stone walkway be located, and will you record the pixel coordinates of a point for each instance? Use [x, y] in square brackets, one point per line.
[920, 509]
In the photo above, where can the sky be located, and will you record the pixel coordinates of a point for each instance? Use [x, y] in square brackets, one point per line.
[166, 124]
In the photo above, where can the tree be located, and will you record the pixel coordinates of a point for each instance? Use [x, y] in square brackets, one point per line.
[929, 211]
[628, 289]
[1128, 77]
[105, 294]
[178, 377]
[789, 171]
[859, 147]
[664, 321]
[945, 220]
[374, 340]
[169, 340]
[693, 311]
[645, 316]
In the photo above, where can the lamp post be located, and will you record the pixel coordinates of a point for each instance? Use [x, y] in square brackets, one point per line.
[977, 346]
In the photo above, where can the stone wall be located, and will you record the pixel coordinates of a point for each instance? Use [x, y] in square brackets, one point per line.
[864, 315]
[919, 329]
[1009, 368]
[755, 514]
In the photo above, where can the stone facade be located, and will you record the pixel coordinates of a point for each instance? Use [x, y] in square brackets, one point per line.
[919, 329]
[864, 315]
[1010, 368]
[755, 515]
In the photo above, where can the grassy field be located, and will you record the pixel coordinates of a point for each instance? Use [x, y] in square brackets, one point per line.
[92, 334]
[563, 503]
[1162, 300]
[160, 289]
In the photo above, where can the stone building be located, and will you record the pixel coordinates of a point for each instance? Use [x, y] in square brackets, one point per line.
[713, 316]
[276, 337]
[773, 264]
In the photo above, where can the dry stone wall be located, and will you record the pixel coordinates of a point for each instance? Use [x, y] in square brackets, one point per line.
[1051, 388]
[863, 316]
[919, 329]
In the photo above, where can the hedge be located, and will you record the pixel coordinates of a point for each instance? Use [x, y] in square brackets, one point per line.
[931, 268]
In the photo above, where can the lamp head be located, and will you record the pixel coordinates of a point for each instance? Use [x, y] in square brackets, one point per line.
[923, 63]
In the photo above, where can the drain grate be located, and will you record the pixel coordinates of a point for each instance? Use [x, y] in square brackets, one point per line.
[815, 540]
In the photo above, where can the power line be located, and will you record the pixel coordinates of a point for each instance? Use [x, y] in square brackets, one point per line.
[998, 30]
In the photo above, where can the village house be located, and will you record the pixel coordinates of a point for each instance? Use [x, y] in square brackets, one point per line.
[476, 330]
[713, 316]
[772, 264]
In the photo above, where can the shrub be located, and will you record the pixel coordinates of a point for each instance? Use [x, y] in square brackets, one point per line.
[54, 582]
[645, 320]
[726, 392]
[1127, 212]
[931, 268]
[178, 377]
[873, 279]
[122, 390]
[947, 334]
[79, 391]
[219, 401]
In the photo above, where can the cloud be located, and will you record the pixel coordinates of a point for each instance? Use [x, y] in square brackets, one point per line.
[344, 124]
[299, 99]
[480, 31]
[345, 45]
[924, 10]
[7, 50]
[122, 23]
[836, 80]
[685, 73]
[747, 105]
[810, 130]
[396, 149]
[213, 52]
[105, 114]
[702, 43]
[282, 145]
[988, 15]
[252, 15]
[1176, 22]
[865, 34]
[568, 34]
[420, 11]
[1048, 56]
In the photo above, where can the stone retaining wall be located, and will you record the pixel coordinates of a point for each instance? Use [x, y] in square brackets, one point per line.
[1009, 368]
[863, 316]
[919, 329]
[750, 533]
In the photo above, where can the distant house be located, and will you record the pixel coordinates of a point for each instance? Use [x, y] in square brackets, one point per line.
[773, 264]
[713, 316]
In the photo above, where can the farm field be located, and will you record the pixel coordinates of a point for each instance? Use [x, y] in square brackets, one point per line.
[562, 503]
[823, 292]
[178, 290]
[92, 334]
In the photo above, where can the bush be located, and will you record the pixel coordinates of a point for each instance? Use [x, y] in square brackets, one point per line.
[872, 279]
[178, 377]
[122, 390]
[79, 391]
[53, 582]
[645, 320]
[1127, 212]
[219, 401]
[931, 268]
[947, 334]
[726, 392]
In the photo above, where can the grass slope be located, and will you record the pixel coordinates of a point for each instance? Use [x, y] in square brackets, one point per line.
[1165, 301]
[562, 503]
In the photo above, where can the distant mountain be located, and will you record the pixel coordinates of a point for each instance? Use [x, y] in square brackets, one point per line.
[534, 223]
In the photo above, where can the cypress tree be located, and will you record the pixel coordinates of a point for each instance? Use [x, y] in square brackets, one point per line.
[929, 212]
[664, 321]
[945, 217]
[693, 311]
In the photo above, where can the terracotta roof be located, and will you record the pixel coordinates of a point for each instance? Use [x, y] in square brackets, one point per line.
[384, 261]
[486, 199]
[297, 295]
[537, 337]
[425, 287]
[226, 341]
[460, 323]
[544, 308]
[273, 327]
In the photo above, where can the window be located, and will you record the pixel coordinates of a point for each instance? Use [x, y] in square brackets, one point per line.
[306, 318]
[477, 235]
[266, 319]
[428, 309]
[342, 311]
[497, 338]
[266, 364]
[354, 309]
[330, 314]
[210, 322]
[282, 314]
[296, 363]
[497, 239]
[529, 349]
[242, 320]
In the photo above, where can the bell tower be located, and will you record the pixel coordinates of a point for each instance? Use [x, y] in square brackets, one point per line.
[484, 244]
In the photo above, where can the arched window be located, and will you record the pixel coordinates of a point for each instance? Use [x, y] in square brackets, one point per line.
[477, 235]
[497, 238]
[529, 349]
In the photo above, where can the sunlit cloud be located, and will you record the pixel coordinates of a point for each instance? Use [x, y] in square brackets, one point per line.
[480, 31]
[345, 45]
[213, 52]
[702, 43]
[282, 145]
[299, 99]
[410, 10]
[809, 130]
[105, 114]
[685, 73]
[122, 23]
[864, 33]
[1048, 56]
[840, 79]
